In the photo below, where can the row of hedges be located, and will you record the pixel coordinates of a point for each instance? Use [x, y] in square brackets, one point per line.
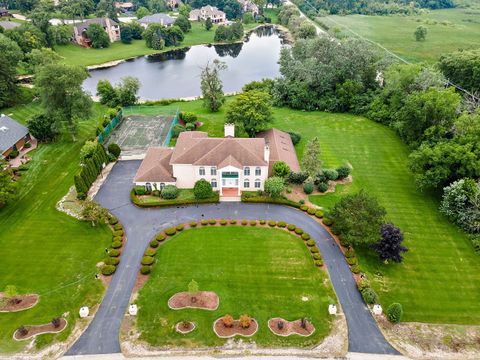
[113, 255]
[256, 197]
[158, 202]
[90, 170]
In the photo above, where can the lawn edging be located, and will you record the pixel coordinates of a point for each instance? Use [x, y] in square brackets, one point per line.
[253, 197]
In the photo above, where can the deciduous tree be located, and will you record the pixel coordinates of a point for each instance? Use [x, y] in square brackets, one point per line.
[211, 85]
[8, 186]
[390, 245]
[420, 33]
[311, 162]
[93, 212]
[274, 186]
[98, 36]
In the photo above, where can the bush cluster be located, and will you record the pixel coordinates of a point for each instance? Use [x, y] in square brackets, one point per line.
[262, 222]
[202, 189]
[281, 224]
[326, 221]
[322, 187]
[304, 207]
[170, 231]
[110, 260]
[343, 172]
[92, 166]
[319, 214]
[112, 220]
[369, 296]
[311, 211]
[108, 270]
[148, 260]
[169, 192]
[330, 174]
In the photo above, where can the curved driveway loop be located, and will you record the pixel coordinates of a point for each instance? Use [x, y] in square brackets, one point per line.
[102, 336]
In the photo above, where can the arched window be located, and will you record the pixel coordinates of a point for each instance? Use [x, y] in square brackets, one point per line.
[213, 171]
[246, 171]
[257, 183]
[148, 187]
[214, 183]
[246, 184]
[201, 171]
[258, 171]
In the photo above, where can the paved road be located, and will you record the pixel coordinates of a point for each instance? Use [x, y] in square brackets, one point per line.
[101, 337]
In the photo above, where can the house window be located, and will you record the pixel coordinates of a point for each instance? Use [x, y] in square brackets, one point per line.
[246, 171]
[213, 171]
[162, 185]
[257, 183]
[246, 183]
[214, 183]
[258, 171]
[148, 187]
[201, 171]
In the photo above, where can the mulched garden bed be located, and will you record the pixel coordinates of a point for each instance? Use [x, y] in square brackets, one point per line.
[290, 327]
[18, 303]
[227, 332]
[185, 327]
[206, 300]
[34, 330]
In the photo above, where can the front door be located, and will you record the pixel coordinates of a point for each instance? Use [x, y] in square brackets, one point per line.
[229, 183]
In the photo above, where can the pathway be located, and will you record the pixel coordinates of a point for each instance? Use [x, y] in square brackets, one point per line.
[320, 31]
[102, 336]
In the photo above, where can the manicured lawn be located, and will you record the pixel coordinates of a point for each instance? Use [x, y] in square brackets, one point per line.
[448, 30]
[44, 251]
[78, 55]
[185, 196]
[257, 271]
[439, 280]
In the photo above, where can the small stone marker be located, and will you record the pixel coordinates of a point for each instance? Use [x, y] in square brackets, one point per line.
[133, 309]
[84, 311]
[332, 309]
[377, 309]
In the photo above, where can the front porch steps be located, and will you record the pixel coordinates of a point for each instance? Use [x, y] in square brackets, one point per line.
[229, 198]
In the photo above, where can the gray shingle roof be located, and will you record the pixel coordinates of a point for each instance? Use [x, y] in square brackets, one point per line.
[7, 25]
[100, 21]
[158, 18]
[10, 132]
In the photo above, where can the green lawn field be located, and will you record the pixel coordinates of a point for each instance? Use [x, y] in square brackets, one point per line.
[44, 251]
[439, 281]
[261, 272]
[77, 55]
[448, 30]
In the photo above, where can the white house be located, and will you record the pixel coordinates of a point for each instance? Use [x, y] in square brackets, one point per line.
[217, 16]
[249, 6]
[230, 164]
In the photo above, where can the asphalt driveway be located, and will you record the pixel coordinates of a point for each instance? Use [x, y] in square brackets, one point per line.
[102, 336]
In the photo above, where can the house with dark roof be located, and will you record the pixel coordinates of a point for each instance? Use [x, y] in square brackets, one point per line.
[230, 164]
[13, 136]
[111, 27]
[4, 12]
[159, 18]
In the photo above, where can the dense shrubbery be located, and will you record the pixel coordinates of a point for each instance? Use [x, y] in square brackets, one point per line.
[169, 192]
[232, 32]
[108, 270]
[308, 188]
[395, 313]
[202, 189]
[369, 296]
[92, 166]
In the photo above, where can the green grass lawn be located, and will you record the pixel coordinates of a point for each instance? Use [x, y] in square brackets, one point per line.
[77, 55]
[439, 280]
[44, 251]
[448, 30]
[256, 271]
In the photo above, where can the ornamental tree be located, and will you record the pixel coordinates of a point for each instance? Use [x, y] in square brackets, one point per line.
[93, 212]
[99, 37]
[281, 169]
[274, 186]
[211, 85]
[311, 157]
[202, 189]
[389, 247]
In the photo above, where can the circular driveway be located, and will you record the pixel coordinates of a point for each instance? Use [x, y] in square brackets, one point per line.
[141, 224]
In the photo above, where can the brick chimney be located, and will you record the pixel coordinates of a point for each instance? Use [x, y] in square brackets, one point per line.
[229, 130]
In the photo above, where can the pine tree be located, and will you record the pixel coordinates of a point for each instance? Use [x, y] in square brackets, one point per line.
[80, 185]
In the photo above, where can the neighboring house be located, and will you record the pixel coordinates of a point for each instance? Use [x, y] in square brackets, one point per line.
[4, 12]
[111, 27]
[174, 4]
[8, 25]
[230, 164]
[249, 6]
[160, 18]
[124, 6]
[13, 136]
[217, 16]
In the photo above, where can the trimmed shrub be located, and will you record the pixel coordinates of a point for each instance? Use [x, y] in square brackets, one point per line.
[301, 202]
[204, 222]
[160, 237]
[114, 252]
[311, 211]
[114, 149]
[298, 231]
[202, 189]
[308, 188]
[319, 214]
[262, 222]
[212, 221]
[145, 269]
[150, 252]
[112, 260]
[148, 260]
[108, 270]
[223, 222]
[272, 223]
[281, 224]
[355, 269]
[118, 233]
[193, 224]
[319, 262]
[350, 253]
[369, 296]
[310, 243]
[330, 174]
[305, 236]
[117, 227]
[117, 238]
[316, 256]
[351, 261]
[154, 243]
[304, 207]
[343, 172]
[233, 221]
[327, 221]
[116, 245]
[169, 192]
[295, 137]
[244, 222]
[314, 249]
[139, 190]
[297, 178]
[253, 222]
[170, 231]
[113, 220]
[395, 313]
[188, 117]
[180, 227]
[363, 284]
[291, 227]
[322, 187]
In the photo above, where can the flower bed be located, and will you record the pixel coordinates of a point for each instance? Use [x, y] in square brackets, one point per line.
[34, 330]
[18, 302]
[226, 332]
[290, 327]
[205, 300]
[185, 327]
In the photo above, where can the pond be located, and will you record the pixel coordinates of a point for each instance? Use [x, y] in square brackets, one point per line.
[176, 74]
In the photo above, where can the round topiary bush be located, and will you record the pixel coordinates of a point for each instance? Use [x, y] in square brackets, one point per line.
[316, 256]
[180, 227]
[350, 253]
[193, 224]
[113, 220]
[118, 233]
[150, 252]
[319, 214]
[395, 313]
[343, 172]
[355, 269]
[116, 245]
[202, 189]
[327, 221]
[298, 231]
[322, 187]
[319, 262]
[291, 227]
[170, 231]
[311, 211]
[351, 260]
[314, 249]
[310, 243]
[304, 207]
[308, 188]
[145, 269]
[223, 222]
[305, 236]
[330, 174]
[108, 270]
[147, 260]
[190, 127]
[117, 238]
[114, 149]
[369, 296]
[112, 260]
[253, 222]
[272, 223]
[117, 226]
[212, 221]
[262, 222]
[281, 224]
[160, 237]
[154, 243]
[244, 222]
[114, 252]
[233, 221]
[204, 222]
[169, 192]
